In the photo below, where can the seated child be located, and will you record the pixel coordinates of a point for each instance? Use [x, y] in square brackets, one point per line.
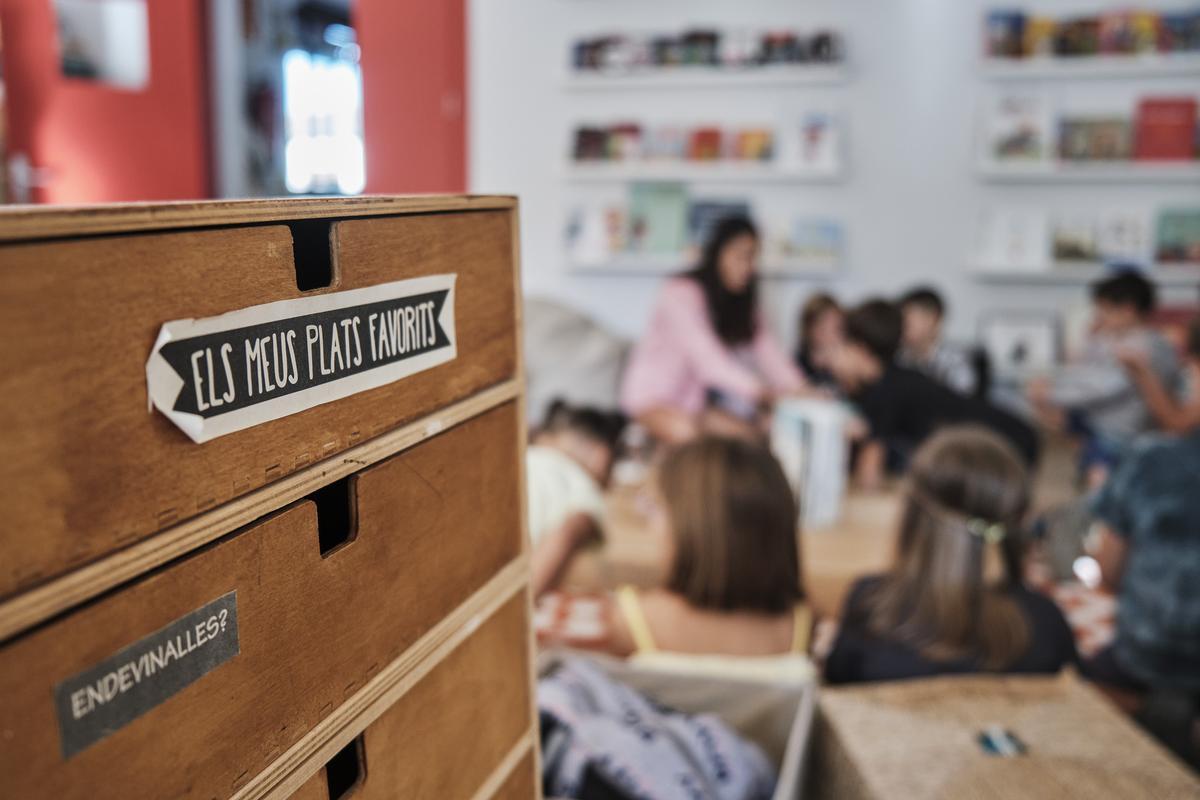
[903, 407]
[925, 350]
[1149, 555]
[953, 600]
[1170, 416]
[725, 520]
[567, 466]
[1096, 397]
[821, 322]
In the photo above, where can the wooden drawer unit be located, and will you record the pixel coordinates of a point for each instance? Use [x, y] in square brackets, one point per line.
[452, 731]
[429, 529]
[85, 469]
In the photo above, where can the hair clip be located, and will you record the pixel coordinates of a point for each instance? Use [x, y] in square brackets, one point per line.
[990, 532]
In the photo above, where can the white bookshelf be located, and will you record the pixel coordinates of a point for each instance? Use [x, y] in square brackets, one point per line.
[699, 77]
[1093, 172]
[1104, 67]
[697, 172]
[1072, 273]
[653, 264]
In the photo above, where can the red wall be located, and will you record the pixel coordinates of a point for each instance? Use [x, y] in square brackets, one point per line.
[101, 143]
[414, 94]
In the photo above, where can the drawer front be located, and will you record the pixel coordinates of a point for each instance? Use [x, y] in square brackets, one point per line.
[446, 736]
[311, 628]
[85, 469]
[522, 782]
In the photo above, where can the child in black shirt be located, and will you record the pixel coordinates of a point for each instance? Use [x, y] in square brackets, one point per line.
[901, 406]
[953, 601]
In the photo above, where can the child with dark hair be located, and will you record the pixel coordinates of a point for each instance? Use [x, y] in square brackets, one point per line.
[903, 407]
[925, 349]
[567, 466]
[726, 520]
[1149, 555]
[954, 600]
[821, 334]
[1096, 398]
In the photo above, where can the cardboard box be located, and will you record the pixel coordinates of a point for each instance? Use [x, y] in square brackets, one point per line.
[464, 727]
[86, 469]
[776, 714]
[919, 740]
[196, 678]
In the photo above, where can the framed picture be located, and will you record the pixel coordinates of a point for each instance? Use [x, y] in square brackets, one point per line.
[1021, 342]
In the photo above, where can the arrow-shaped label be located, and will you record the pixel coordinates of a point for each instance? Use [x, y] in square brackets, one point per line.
[222, 374]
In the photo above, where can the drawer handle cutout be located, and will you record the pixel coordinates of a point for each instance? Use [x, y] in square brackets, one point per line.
[347, 770]
[337, 514]
[312, 252]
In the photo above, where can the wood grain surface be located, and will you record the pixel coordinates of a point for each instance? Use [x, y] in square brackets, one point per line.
[85, 469]
[454, 729]
[436, 522]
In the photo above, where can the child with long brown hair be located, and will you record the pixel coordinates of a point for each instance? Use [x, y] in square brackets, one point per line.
[725, 520]
[953, 600]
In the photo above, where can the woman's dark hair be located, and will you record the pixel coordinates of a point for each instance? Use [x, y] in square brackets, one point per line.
[605, 427]
[732, 313]
[733, 518]
[1193, 338]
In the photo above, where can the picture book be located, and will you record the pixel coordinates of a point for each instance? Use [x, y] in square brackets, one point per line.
[1165, 129]
[1017, 129]
[1094, 138]
[657, 218]
[1177, 238]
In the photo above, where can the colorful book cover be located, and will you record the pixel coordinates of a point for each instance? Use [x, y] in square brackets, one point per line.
[1004, 33]
[1177, 239]
[658, 218]
[1017, 129]
[703, 216]
[1166, 129]
[1094, 138]
[1074, 238]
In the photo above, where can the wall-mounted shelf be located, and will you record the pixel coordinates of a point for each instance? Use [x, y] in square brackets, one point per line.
[1103, 67]
[708, 78]
[1093, 172]
[651, 264]
[1077, 273]
[696, 172]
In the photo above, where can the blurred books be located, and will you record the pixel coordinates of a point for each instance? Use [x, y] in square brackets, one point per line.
[1010, 34]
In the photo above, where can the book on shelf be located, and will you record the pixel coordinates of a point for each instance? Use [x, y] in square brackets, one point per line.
[657, 218]
[1017, 128]
[705, 48]
[1094, 137]
[1012, 34]
[704, 214]
[1123, 236]
[595, 234]
[1073, 238]
[1165, 129]
[1013, 240]
[808, 241]
[1177, 236]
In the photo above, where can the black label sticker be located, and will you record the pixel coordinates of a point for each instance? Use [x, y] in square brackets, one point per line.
[222, 374]
[101, 700]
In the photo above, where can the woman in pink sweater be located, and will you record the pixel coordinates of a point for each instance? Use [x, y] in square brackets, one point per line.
[707, 354]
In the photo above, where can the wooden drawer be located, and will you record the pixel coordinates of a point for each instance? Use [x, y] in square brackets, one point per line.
[447, 735]
[434, 524]
[85, 469]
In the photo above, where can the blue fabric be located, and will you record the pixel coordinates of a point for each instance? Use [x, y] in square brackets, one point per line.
[1153, 501]
[602, 738]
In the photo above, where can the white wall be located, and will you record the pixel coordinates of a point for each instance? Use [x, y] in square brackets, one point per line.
[911, 200]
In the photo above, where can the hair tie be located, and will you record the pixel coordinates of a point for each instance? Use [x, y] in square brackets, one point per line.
[990, 532]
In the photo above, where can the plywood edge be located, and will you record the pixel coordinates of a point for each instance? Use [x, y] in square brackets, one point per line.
[40, 603]
[19, 223]
[308, 755]
[514, 759]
